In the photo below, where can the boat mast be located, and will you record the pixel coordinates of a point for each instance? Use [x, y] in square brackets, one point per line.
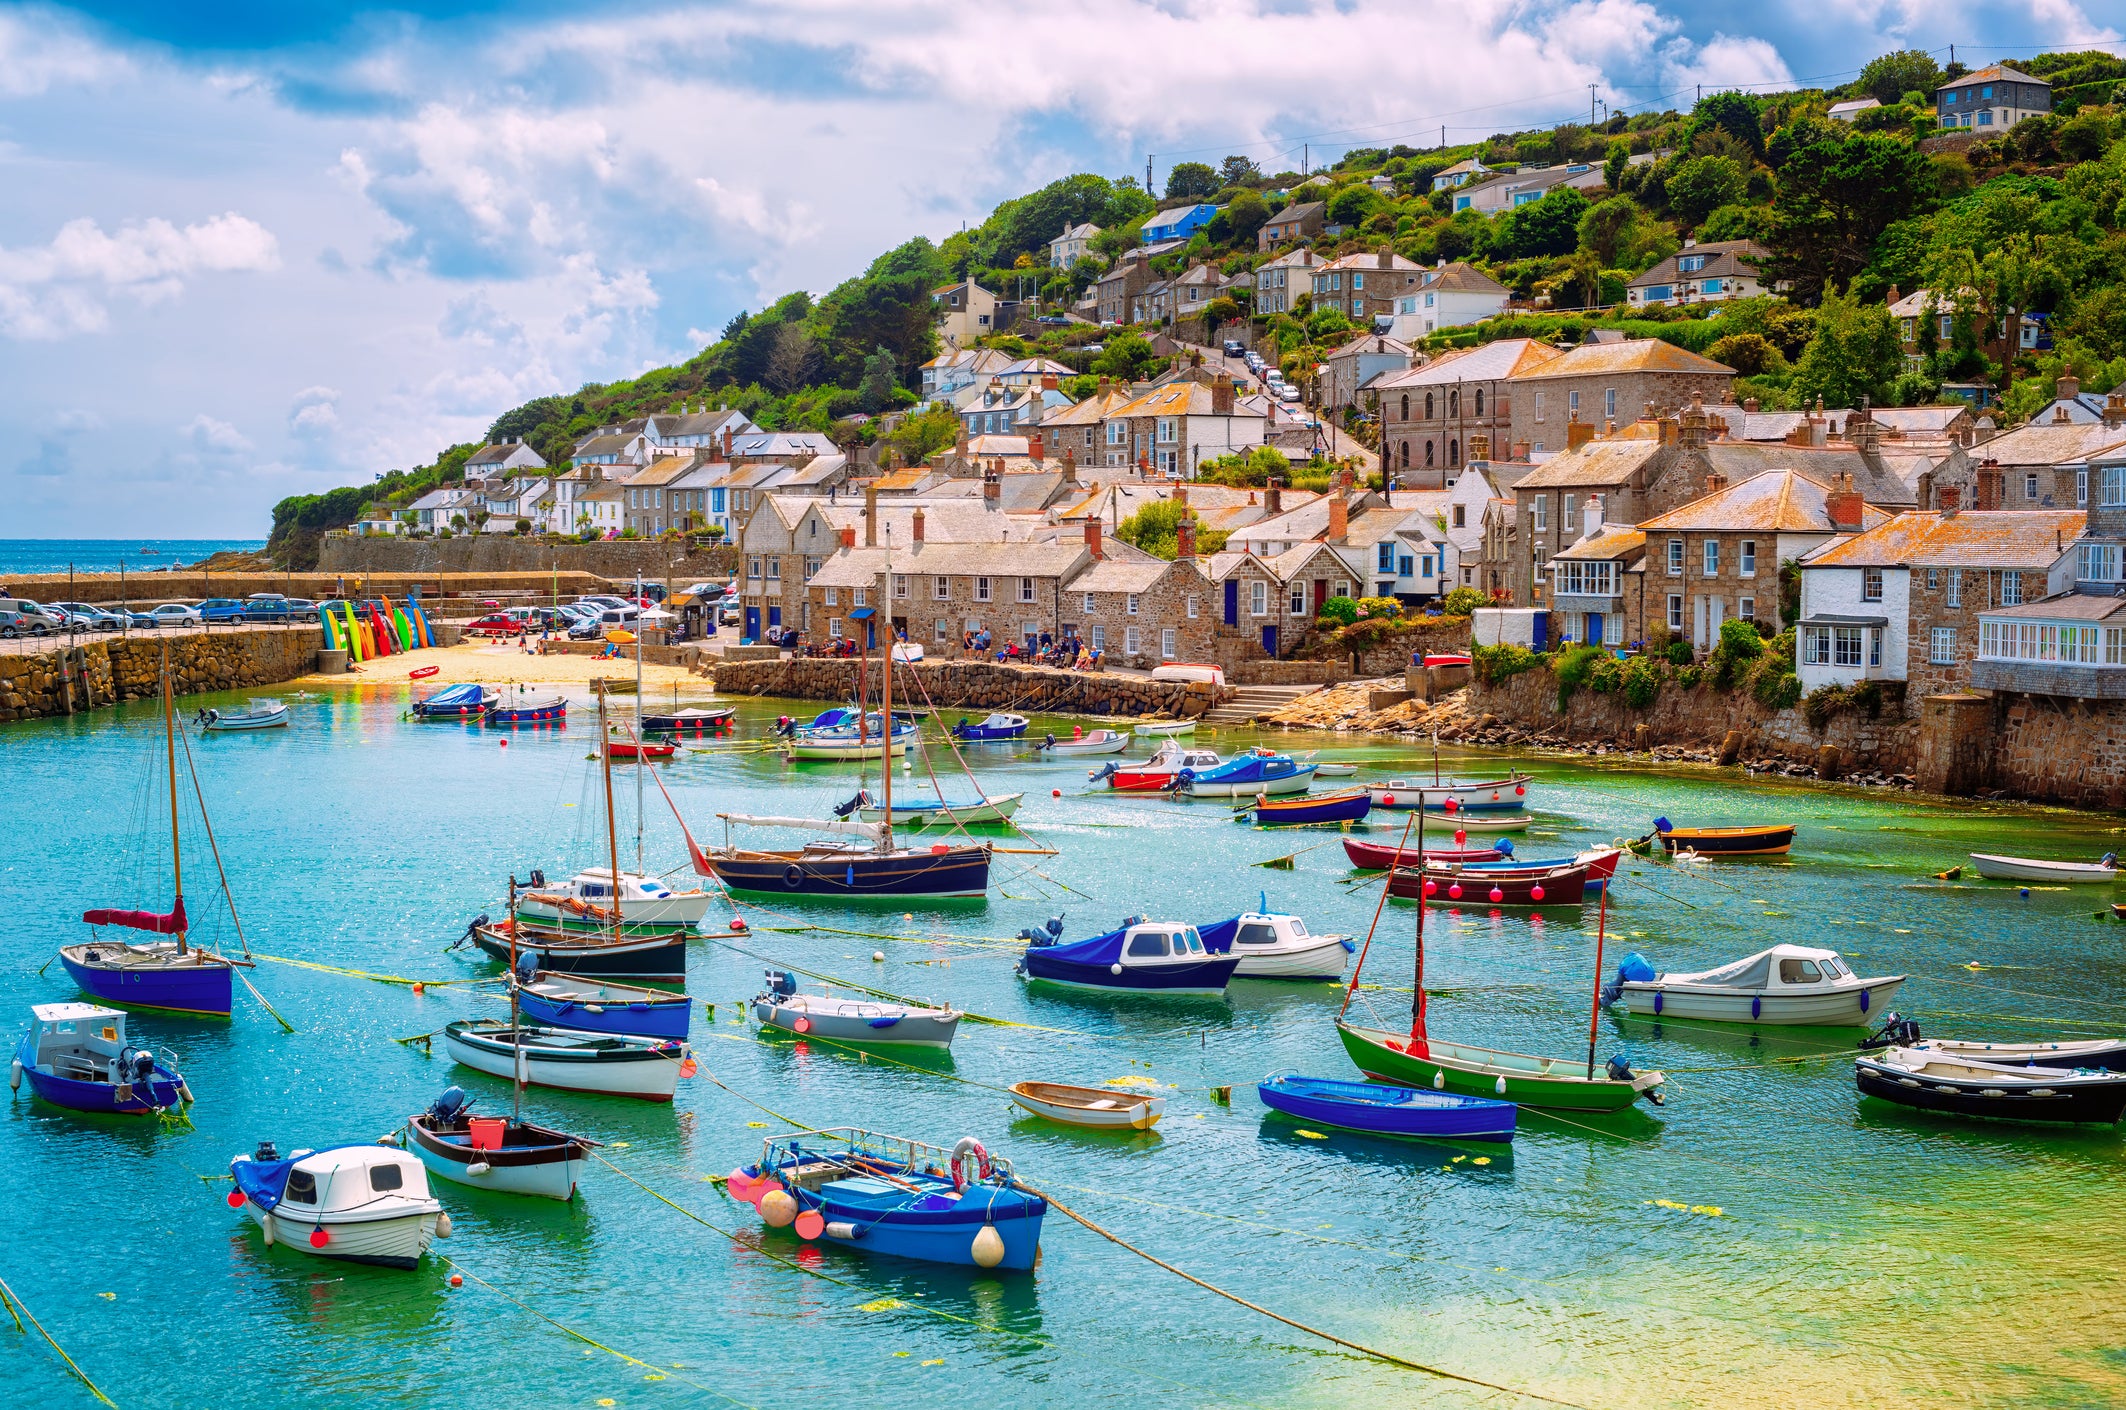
[516, 1035]
[638, 729]
[612, 836]
[169, 743]
[1417, 997]
[885, 750]
[1594, 1013]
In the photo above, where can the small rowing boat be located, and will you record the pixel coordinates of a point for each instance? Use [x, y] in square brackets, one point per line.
[423, 673]
[1195, 671]
[1100, 741]
[1601, 864]
[693, 719]
[659, 955]
[920, 812]
[1446, 884]
[258, 713]
[1901, 1032]
[529, 710]
[1096, 1108]
[1497, 795]
[1379, 1110]
[1310, 811]
[628, 749]
[1379, 856]
[572, 1062]
[1771, 840]
[857, 1019]
[1995, 867]
[999, 726]
[597, 1006]
[1948, 1086]
[494, 1153]
[1152, 728]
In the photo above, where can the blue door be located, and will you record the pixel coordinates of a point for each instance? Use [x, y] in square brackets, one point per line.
[1269, 640]
[752, 624]
[1232, 602]
[775, 616]
[1594, 629]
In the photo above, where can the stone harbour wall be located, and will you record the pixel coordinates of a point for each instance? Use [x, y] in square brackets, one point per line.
[2054, 750]
[105, 670]
[655, 559]
[144, 590]
[973, 685]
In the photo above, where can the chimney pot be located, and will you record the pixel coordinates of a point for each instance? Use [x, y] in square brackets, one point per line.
[1092, 537]
[848, 537]
[915, 530]
[1273, 499]
[2067, 386]
[1947, 497]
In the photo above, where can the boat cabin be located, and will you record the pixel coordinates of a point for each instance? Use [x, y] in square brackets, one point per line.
[351, 1178]
[78, 1041]
[596, 884]
[1783, 967]
[1154, 942]
[1264, 932]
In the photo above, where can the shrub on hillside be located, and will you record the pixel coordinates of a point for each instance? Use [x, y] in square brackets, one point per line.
[1573, 669]
[1641, 682]
[1680, 653]
[1380, 608]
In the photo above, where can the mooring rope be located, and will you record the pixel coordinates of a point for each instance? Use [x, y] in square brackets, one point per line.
[18, 1309]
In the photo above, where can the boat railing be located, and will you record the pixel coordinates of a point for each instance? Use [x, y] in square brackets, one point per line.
[900, 1152]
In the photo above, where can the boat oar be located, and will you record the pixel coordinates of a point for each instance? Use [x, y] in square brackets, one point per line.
[1285, 862]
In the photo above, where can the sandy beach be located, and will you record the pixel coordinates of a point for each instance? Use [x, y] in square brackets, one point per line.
[489, 663]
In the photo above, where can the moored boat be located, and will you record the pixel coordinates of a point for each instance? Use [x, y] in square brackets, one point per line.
[598, 1006]
[690, 719]
[1453, 884]
[1156, 774]
[1999, 868]
[1601, 864]
[1497, 795]
[1263, 772]
[629, 749]
[1143, 957]
[856, 1018]
[1786, 984]
[584, 903]
[1152, 728]
[1099, 741]
[659, 955]
[999, 725]
[921, 812]
[1380, 1110]
[1312, 810]
[456, 702]
[258, 713]
[79, 1057]
[1380, 856]
[361, 1204]
[1276, 946]
[847, 748]
[1095, 1108]
[1527, 1080]
[493, 1153]
[1769, 840]
[570, 1061]
[1198, 672]
[1948, 1086]
[528, 710]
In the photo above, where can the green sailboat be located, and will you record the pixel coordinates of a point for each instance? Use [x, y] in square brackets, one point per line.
[1416, 1059]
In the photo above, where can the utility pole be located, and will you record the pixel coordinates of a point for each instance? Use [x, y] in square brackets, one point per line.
[1148, 176]
[1590, 105]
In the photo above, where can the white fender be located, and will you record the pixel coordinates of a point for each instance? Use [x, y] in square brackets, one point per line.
[988, 1247]
[14, 1076]
[267, 1225]
[443, 1227]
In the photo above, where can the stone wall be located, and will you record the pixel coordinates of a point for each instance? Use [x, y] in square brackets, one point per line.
[2058, 751]
[973, 685]
[99, 671]
[147, 589]
[1266, 672]
[490, 553]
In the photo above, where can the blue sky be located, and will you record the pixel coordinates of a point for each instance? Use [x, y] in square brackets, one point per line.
[255, 249]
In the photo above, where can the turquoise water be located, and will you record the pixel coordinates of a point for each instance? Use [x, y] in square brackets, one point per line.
[1763, 1239]
[109, 555]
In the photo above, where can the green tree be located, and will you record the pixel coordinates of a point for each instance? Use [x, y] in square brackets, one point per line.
[923, 434]
[1993, 251]
[1854, 354]
[1605, 228]
[875, 391]
[1616, 164]
[1238, 171]
[1890, 77]
[1702, 185]
[1750, 354]
[1155, 529]
[1547, 227]
[1837, 191]
[1128, 356]
[1733, 113]
[1352, 204]
[1192, 181]
[1244, 216]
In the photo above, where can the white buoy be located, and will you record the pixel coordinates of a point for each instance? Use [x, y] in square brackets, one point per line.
[778, 1209]
[878, 957]
[478, 1167]
[841, 1229]
[1500, 1086]
[1114, 969]
[14, 1075]
[1439, 1078]
[443, 1227]
[267, 1225]
[988, 1247]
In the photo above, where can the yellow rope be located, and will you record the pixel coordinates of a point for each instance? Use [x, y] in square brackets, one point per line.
[20, 1309]
[888, 994]
[360, 973]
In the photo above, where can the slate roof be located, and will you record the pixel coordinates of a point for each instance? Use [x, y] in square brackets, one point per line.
[1631, 355]
[1596, 464]
[1614, 541]
[1723, 258]
[2004, 538]
[2051, 443]
[1778, 501]
[860, 567]
[1125, 568]
[1461, 277]
[1493, 361]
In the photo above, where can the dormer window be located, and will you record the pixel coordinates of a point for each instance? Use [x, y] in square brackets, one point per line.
[1690, 264]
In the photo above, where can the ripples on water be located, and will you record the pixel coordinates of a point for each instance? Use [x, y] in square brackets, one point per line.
[1857, 1252]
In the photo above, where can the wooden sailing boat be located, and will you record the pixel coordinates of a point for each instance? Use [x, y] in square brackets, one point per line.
[869, 867]
[1420, 1060]
[171, 975]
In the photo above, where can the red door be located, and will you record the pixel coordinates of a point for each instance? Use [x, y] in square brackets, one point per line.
[1321, 594]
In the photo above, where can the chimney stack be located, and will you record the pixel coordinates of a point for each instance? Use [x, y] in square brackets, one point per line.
[871, 516]
[1272, 499]
[1070, 464]
[848, 537]
[2115, 409]
[1591, 517]
[1844, 504]
[915, 530]
[1092, 537]
[1185, 537]
[727, 443]
[1694, 426]
[1578, 433]
[2067, 386]
[1947, 497]
[992, 491]
[1036, 448]
[959, 442]
[1479, 446]
[1714, 482]
[1339, 517]
[1992, 485]
[1048, 381]
[1222, 395]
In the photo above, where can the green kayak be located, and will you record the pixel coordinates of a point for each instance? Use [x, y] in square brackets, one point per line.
[1558, 1083]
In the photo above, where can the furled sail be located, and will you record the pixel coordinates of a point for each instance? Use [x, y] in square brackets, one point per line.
[171, 924]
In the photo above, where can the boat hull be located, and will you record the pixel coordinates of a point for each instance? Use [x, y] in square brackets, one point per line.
[1566, 886]
[1557, 1084]
[690, 722]
[618, 1015]
[204, 988]
[1998, 868]
[1112, 742]
[1846, 1006]
[1156, 729]
[1294, 782]
[1376, 856]
[1327, 959]
[647, 957]
[218, 723]
[1390, 1111]
[546, 1170]
[943, 1237]
[1067, 1106]
[165, 1093]
[638, 916]
[1499, 795]
[835, 751]
[2012, 1097]
[987, 734]
[989, 810]
[1309, 812]
[648, 1074]
[1730, 841]
[1191, 977]
[2108, 1054]
[956, 872]
[878, 1029]
[396, 1242]
[534, 713]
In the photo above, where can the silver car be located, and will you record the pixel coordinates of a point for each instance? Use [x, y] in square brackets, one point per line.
[175, 614]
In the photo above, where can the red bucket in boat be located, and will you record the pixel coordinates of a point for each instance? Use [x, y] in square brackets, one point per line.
[487, 1132]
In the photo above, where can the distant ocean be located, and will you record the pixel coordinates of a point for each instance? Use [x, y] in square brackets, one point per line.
[105, 555]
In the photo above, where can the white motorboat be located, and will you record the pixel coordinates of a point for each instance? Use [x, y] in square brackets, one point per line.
[1335, 770]
[585, 902]
[258, 713]
[1153, 728]
[1999, 868]
[1787, 984]
[854, 1019]
[1274, 946]
[1098, 1108]
[845, 748]
[569, 1061]
[1099, 741]
[1193, 671]
[362, 1204]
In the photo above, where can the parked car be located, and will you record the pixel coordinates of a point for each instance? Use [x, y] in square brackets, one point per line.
[1234, 348]
[601, 602]
[267, 609]
[21, 617]
[493, 624]
[88, 617]
[135, 618]
[731, 614]
[221, 609]
[586, 628]
[1288, 394]
[175, 614]
[301, 606]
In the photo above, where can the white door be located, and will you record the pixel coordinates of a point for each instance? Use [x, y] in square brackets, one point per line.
[1712, 623]
[1697, 622]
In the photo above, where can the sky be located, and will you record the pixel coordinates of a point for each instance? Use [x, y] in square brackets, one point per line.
[251, 250]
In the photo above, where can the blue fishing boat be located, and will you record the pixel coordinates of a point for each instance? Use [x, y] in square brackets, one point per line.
[889, 1195]
[1381, 1110]
[1000, 725]
[1310, 812]
[1143, 957]
[1263, 771]
[587, 1004]
[456, 702]
[528, 710]
[77, 1056]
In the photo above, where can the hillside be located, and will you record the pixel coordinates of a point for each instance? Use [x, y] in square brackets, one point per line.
[2031, 220]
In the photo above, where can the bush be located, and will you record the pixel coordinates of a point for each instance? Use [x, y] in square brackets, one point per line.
[1387, 608]
[1574, 669]
[1824, 702]
[1680, 653]
[1778, 690]
[1340, 610]
[1462, 601]
[1605, 675]
[1641, 682]
[1689, 677]
[1492, 664]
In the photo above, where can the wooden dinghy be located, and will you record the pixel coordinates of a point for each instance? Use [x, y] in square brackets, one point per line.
[1764, 841]
[1947, 1086]
[1527, 1080]
[1096, 1108]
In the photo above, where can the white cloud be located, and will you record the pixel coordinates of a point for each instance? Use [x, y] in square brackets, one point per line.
[315, 411]
[2067, 21]
[215, 437]
[1724, 62]
[41, 51]
[54, 290]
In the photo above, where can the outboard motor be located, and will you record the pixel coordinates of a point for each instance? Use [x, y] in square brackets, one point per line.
[1634, 970]
[451, 1105]
[1048, 741]
[1105, 772]
[538, 878]
[472, 930]
[782, 984]
[1047, 935]
[1897, 1031]
[1619, 1070]
[1184, 782]
[266, 1152]
[527, 966]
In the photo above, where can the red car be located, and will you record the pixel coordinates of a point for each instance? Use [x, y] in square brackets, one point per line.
[493, 624]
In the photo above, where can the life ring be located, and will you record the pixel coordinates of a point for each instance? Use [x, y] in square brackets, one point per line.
[792, 876]
[969, 1146]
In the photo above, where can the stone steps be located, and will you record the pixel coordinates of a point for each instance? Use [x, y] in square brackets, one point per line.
[1251, 700]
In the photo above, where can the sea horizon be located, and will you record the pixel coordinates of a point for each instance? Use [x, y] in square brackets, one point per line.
[147, 555]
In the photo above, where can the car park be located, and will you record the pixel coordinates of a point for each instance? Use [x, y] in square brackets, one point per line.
[86, 616]
[267, 610]
[175, 614]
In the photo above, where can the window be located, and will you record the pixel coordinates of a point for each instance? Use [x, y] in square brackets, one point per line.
[1609, 404]
[301, 1188]
[833, 598]
[1712, 558]
[774, 570]
[1539, 513]
[941, 588]
[981, 589]
[1845, 646]
[1026, 593]
[1259, 598]
[1428, 417]
[1191, 602]
[1299, 599]
[1343, 588]
[1099, 637]
[1088, 602]
[1129, 641]
[856, 597]
[1539, 406]
[1572, 406]
[1933, 579]
[1480, 401]
[1166, 429]
[752, 567]
[2100, 563]
[2112, 487]
[1675, 558]
[1565, 517]
[1748, 564]
[812, 567]
[2011, 588]
[1956, 587]
[1874, 646]
[1675, 611]
[1168, 638]
[1815, 645]
[1132, 608]
[1118, 433]
[2030, 485]
[1148, 944]
[385, 1178]
[2081, 487]
[900, 584]
[1690, 264]
[1941, 647]
[1871, 585]
[1454, 402]
[1746, 608]
[1384, 557]
[1461, 516]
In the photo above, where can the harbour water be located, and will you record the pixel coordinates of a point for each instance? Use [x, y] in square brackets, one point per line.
[18, 556]
[1765, 1239]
